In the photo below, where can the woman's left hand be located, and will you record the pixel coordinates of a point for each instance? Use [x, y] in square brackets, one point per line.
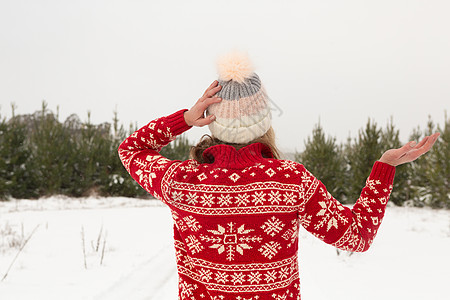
[196, 115]
[409, 152]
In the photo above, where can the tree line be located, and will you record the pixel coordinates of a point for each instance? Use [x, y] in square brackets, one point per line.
[42, 156]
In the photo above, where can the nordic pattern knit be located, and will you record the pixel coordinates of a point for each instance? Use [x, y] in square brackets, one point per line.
[236, 220]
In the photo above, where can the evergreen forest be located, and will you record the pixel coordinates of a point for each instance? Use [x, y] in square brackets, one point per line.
[42, 156]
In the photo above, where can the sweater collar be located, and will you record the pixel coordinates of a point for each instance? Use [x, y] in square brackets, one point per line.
[228, 157]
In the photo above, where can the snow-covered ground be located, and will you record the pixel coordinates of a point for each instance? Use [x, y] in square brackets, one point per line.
[410, 258]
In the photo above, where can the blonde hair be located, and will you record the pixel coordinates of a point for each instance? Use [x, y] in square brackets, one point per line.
[207, 141]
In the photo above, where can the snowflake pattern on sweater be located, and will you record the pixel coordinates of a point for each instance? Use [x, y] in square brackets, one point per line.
[236, 219]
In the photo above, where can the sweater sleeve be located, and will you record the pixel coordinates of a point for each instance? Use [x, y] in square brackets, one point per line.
[139, 152]
[350, 229]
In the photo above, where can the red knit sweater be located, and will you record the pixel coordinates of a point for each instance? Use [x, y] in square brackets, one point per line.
[236, 220]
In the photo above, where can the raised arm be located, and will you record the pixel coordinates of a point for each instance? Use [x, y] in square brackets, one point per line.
[353, 229]
[139, 152]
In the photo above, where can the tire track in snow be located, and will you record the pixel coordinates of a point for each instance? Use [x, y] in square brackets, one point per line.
[142, 283]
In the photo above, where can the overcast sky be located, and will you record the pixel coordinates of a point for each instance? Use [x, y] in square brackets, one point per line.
[338, 61]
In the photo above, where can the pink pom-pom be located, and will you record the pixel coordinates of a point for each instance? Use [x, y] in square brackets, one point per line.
[234, 66]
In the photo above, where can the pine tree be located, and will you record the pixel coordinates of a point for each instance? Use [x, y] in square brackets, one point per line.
[360, 157]
[4, 184]
[17, 178]
[116, 181]
[323, 157]
[93, 147]
[441, 156]
[431, 172]
[52, 150]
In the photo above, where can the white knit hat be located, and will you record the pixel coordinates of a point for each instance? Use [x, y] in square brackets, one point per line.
[244, 113]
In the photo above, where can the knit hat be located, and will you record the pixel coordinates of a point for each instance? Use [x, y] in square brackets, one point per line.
[244, 112]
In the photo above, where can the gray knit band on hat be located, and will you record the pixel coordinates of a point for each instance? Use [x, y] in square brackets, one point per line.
[244, 113]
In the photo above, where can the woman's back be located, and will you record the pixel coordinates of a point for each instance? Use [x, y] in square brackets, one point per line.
[236, 224]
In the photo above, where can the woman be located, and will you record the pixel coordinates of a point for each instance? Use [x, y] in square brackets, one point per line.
[236, 205]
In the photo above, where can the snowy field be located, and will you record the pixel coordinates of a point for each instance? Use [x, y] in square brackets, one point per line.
[128, 254]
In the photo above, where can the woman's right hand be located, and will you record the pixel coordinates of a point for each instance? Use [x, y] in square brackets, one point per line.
[409, 152]
[196, 115]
